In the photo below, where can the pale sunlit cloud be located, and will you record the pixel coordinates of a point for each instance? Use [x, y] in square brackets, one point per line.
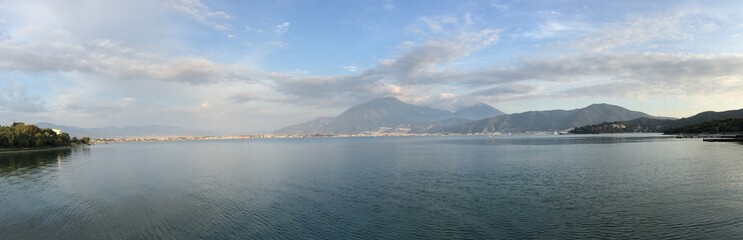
[141, 60]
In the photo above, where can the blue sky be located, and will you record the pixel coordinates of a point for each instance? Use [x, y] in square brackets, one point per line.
[254, 66]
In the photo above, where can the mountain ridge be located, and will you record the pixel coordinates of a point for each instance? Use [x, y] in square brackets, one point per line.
[550, 120]
[656, 125]
[387, 112]
[477, 111]
[392, 115]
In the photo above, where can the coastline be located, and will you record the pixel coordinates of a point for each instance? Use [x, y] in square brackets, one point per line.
[4, 151]
[299, 136]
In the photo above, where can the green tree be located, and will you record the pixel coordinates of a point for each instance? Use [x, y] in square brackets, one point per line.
[20, 135]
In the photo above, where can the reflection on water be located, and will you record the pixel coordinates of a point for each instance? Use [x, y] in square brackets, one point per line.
[559, 140]
[543, 187]
[18, 163]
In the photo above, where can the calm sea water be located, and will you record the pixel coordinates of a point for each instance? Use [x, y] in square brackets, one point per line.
[611, 186]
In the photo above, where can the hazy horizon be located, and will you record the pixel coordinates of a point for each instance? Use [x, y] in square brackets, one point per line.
[256, 66]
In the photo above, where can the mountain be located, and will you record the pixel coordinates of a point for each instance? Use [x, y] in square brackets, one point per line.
[658, 125]
[432, 127]
[130, 131]
[724, 126]
[383, 112]
[311, 127]
[708, 116]
[391, 113]
[477, 112]
[552, 120]
[642, 124]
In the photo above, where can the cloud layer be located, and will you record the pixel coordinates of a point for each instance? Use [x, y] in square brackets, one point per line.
[52, 63]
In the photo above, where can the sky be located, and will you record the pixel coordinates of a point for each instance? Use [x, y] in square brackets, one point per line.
[255, 66]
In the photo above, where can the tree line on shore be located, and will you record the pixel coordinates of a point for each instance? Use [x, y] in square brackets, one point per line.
[20, 135]
[729, 125]
[730, 121]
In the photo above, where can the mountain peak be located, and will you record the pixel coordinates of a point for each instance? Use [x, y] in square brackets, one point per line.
[604, 107]
[477, 106]
[601, 105]
[386, 100]
[478, 111]
[481, 105]
[386, 112]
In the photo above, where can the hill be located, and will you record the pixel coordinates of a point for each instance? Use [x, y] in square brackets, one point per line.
[477, 112]
[431, 127]
[22, 136]
[656, 125]
[723, 126]
[552, 120]
[383, 112]
[312, 127]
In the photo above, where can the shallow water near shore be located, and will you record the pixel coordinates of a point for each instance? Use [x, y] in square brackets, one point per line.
[577, 187]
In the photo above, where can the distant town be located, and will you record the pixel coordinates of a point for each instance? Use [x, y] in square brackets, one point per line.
[282, 136]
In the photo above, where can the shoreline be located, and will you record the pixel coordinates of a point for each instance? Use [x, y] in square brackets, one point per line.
[255, 137]
[4, 151]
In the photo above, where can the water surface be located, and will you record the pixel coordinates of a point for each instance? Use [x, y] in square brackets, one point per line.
[604, 186]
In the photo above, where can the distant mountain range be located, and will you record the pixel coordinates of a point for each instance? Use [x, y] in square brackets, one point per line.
[130, 131]
[392, 115]
[657, 125]
[386, 112]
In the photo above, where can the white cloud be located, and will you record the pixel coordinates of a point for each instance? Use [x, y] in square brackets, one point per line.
[203, 105]
[300, 72]
[420, 62]
[443, 100]
[105, 57]
[281, 29]
[467, 18]
[447, 25]
[418, 66]
[351, 68]
[278, 43]
[14, 98]
[101, 108]
[138, 80]
[508, 89]
[201, 13]
[435, 24]
[389, 5]
[552, 28]
[425, 69]
[243, 97]
[253, 29]
[614, 75]
[677, 25]
[406, 44]
[500, 6]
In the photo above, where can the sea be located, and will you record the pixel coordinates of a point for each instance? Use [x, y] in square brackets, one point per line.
[622, 186]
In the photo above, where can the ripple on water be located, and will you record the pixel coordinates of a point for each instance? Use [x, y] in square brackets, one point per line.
[383, 188]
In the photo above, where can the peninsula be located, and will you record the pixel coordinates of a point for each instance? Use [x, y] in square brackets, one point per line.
[20, 136]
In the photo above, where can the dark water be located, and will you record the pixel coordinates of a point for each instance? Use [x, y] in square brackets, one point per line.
[570, 187]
